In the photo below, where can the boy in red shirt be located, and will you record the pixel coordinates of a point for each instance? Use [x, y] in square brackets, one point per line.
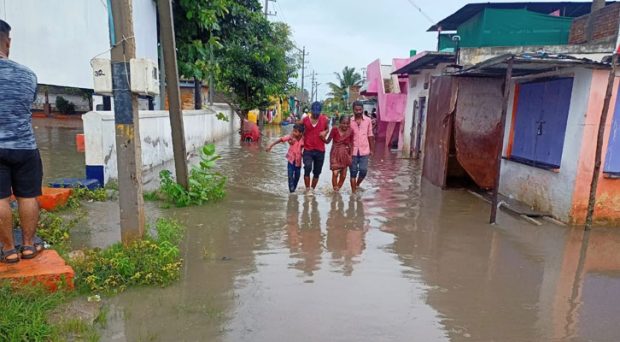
[316, 128]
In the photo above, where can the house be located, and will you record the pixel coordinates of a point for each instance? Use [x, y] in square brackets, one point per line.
[58, 40]
[554, 105]
[419, 71]
[390, 92]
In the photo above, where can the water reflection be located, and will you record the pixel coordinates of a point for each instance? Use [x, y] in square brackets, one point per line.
[346, 229]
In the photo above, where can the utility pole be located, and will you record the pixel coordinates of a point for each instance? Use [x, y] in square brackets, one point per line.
[267, 13]
[127, 121]
[303, 69]
[312, 91]
[174, 96]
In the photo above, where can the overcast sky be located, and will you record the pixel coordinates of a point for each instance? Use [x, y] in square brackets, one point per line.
[339, 33]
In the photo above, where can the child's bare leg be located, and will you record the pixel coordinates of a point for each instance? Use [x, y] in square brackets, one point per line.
[343, 177]
[335, 174]
[307, 182]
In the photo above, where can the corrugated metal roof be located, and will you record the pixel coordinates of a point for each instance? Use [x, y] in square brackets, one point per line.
[528, 64]
[567, 9]
[428, 61]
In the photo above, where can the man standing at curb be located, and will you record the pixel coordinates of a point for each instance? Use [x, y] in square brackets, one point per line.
[21, 171]
[316, 129]
[363, 145]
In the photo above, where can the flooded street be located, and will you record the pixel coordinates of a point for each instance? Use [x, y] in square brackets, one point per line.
[401, 261]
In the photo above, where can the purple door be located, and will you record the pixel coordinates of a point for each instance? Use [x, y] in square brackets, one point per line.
[540, 122]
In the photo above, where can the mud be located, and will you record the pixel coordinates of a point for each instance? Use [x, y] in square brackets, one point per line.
[401, 261]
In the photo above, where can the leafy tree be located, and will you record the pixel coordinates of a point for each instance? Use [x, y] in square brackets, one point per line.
[347, 79]
[250, 57]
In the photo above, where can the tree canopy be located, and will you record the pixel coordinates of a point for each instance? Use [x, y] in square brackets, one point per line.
[251, 58]
[348, 78]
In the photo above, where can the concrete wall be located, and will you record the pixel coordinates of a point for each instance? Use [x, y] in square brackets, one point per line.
[607, 209]
[200, 127]
[57, 39]
[546, 190]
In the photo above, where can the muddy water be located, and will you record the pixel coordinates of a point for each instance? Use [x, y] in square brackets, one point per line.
[56, 142]
[402, 261]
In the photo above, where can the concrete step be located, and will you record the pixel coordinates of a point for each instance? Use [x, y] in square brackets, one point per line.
[47, 269]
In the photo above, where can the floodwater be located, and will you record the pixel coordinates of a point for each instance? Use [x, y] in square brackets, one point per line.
[401, 261]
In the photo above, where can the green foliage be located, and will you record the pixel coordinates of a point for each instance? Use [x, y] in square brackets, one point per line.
[346, 80]
[147, 262]
[64, 106]
[84, 194]
[205, 184]
[222, 117]
[24, 313]
[250, 58]
[54, 229]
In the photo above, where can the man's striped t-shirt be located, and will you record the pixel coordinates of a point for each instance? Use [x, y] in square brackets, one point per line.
[18, 87]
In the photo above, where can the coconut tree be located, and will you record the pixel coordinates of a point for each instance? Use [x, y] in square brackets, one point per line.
[348, 78]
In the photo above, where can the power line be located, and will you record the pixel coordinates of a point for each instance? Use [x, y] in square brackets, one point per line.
[422, 12]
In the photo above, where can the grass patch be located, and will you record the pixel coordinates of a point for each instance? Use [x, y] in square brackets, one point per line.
[24, 313]
[152, 261]
[84, 194]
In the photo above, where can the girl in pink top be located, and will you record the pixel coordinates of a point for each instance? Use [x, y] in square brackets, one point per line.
[294, 154]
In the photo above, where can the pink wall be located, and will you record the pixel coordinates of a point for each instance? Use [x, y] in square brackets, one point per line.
[391, 107]
[607, 209]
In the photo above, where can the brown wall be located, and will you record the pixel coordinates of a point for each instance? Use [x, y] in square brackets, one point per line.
[187, 97]
[605, 25]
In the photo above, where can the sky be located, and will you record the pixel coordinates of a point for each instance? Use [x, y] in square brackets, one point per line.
[339, 33]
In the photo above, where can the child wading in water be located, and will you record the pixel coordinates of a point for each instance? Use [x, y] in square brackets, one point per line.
[294, 154]
[340, 156]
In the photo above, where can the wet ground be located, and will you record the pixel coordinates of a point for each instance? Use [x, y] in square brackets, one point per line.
[401, 261]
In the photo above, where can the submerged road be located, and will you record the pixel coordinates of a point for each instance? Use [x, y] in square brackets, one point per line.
[401, 261]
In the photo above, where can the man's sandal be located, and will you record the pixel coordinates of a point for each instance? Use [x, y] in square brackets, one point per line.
[10, 252]
[36, 248]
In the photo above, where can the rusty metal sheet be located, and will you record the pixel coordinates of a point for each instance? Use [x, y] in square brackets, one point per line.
[476, 127]
[439, 123]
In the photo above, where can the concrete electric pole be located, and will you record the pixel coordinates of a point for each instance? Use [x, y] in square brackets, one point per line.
[126, 119]
[174, 94]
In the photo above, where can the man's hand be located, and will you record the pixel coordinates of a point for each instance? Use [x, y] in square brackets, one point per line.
[268, 149]
[323, 134]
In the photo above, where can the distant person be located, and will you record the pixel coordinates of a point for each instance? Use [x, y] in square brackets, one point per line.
[250, 131]
[316, 128]
[294, 154]
[335, 118]
[21, 171]
[366, 113]
[373, 118]
[340, 155]
[363, 145]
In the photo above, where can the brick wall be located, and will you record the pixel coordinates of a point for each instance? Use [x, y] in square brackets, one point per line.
[605, 25]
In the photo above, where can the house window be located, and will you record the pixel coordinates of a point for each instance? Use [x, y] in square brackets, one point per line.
[612, 160]
[540, 122]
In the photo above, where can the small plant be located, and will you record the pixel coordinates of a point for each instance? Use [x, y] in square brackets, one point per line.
[205, 184]
[154, 260]
[85, 194]
[222, 117]
[64, 106]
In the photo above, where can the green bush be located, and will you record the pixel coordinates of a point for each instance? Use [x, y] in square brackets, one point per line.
[205, 185]
[154, 260]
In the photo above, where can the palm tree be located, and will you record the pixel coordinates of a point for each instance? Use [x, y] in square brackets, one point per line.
[347, 79]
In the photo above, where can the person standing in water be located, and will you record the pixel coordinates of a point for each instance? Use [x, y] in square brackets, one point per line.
[363, 145]
[340, 155]
[316, 127]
